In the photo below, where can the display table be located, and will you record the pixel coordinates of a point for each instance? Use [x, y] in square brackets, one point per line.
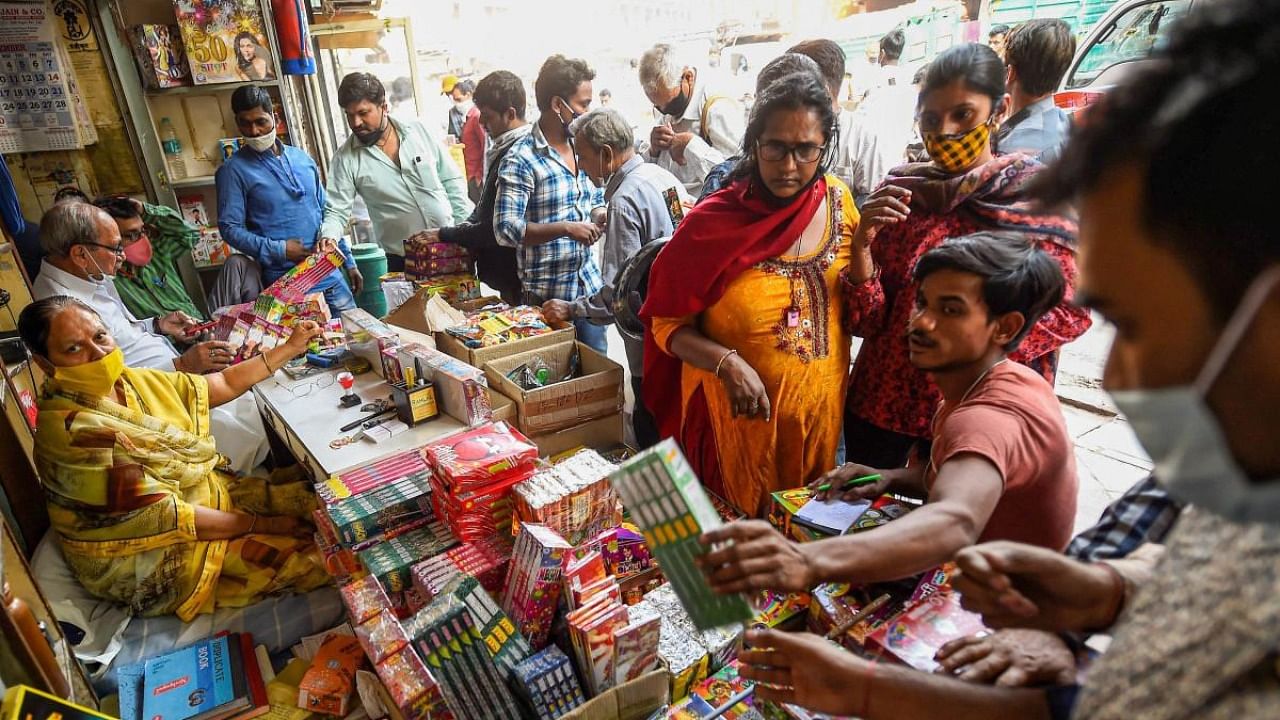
[308, 424]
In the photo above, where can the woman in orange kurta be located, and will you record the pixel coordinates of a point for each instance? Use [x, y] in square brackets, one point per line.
[747, 353]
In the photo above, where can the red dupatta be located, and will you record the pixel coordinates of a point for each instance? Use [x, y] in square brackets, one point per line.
[725, 234]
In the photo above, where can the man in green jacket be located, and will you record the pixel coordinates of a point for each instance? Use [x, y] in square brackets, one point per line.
[153, 238]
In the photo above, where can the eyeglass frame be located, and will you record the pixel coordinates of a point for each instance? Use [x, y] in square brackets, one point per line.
[792, 150]
[321, 382]
[132, 236]
[117, 249]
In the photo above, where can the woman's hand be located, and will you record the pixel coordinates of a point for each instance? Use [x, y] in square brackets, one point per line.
[835, 480]
[303, 333]
[283, 525]
[888, 205]
[747, 395]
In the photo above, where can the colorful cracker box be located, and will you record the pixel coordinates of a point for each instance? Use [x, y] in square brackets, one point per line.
[505, 643]
[481, 457]
[487, 560]
[327, 686]
[915, 636]
[453, 288]
[364, 599]
[161, 60]
[666, 500]
[369, 516]
[381, 636]
[547, 684]
[411, 687]
[575, 497]
[370, 477]
[368, 337]
[533, 582]
[228, 44]
[446, 636]
[833, 605]
[391, 560]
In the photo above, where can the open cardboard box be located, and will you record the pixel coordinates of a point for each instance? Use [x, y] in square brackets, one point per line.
[632, 700]
[504, 408]
[601, 433]
[596, 392]
[479, 356]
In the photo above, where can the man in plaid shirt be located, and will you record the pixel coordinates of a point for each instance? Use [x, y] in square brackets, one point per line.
[546, 206]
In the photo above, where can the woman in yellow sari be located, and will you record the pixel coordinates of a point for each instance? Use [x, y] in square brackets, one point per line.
[136, 489]
[746, 350]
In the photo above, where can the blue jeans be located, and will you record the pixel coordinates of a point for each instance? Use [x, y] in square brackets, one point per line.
[593, 336]
[339, 297]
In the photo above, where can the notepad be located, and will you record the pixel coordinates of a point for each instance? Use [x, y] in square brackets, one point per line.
[832, 516]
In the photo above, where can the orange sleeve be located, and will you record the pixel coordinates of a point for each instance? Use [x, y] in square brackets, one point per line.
[664, 328]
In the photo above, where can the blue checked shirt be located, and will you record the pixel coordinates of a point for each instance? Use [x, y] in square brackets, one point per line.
[1144, 513]
[535, 185]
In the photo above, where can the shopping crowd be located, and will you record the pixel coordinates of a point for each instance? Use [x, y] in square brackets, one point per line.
[789, 231]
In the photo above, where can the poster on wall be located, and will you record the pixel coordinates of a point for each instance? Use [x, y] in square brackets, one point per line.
[37, 111]
[226, 40]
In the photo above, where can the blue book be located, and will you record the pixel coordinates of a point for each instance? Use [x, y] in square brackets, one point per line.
[190, 683]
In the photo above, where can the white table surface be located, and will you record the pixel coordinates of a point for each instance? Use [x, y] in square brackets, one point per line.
[314, 421]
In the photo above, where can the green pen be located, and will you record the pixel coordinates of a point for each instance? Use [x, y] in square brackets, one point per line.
[856, 482]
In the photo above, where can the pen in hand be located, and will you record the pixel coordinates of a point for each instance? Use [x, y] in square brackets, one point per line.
[856, 482]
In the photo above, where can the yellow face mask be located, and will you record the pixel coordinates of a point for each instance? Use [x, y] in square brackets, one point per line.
[94, 378]
[957, 151]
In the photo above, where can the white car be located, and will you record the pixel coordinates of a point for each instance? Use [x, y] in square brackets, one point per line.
[1121, 42]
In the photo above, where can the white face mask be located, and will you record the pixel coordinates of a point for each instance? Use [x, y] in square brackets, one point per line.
[1185, 439]
[262, 143]
[102, 277]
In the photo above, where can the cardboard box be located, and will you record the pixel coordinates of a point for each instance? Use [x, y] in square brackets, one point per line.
[327, 687]
[503, 409]
[605, 432]
[630, 701]
[477, 357]
[595, 393]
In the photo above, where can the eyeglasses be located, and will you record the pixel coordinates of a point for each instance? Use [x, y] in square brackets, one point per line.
[777, 151]
[133, 235]
[117, 249]
[302, 390]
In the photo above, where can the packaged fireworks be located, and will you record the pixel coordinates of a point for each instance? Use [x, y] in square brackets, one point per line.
[368, 337]
[369, 477]
[364, 599]
[636, 650]
[480, 457]
[501, 637]
[391, 560]
[411, 687]
[664, 496]
[489, 327]
[462, 390]
[453, 288]
[547, 684]
[369, 516]
[592, 629]
[532, 589]
[454, 652]
[575, 497]
[381, 636]
[915, 636]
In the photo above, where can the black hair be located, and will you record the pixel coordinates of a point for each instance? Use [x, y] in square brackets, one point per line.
[1194, 122]
[70, 192]
[118, 206]
[794, 91]
[830, 59]
[1041, 50]
[248, 97]
[606, 92]
[236, 48]
[560, 77]
[893, 43]
[788, 63]
[500, 90]
[358, 86]
[921, 71]
[35, 320]
[1016, 275]
[976, 64]
[466, 87]
[998, 29]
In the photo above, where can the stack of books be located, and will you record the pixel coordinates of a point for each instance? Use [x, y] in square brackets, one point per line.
[218, 678]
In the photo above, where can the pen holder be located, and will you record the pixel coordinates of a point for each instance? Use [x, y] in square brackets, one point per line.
[415, 404]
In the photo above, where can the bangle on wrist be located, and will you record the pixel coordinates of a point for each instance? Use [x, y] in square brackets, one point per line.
[270, 371]
[724, 357]
[252, 524]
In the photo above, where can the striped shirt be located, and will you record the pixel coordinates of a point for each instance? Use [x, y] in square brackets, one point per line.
[535, 185]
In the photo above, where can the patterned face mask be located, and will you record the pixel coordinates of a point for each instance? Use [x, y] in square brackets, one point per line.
[957, 151]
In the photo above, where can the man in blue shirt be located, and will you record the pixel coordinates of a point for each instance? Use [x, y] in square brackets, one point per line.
[1038, 53]
[271, 200]
[547, 207]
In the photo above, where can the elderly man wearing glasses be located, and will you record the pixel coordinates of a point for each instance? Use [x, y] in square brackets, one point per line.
[83, 252]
